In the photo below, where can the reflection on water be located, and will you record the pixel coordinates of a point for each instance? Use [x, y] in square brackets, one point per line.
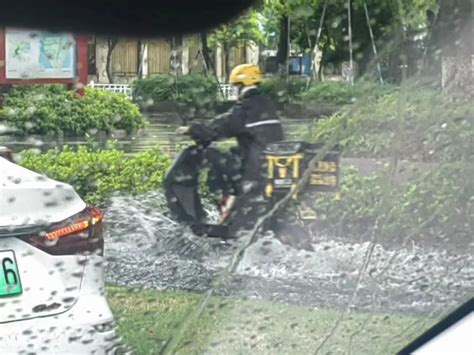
[160, 132]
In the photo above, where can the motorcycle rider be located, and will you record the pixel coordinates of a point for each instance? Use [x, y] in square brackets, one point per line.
[254, 122]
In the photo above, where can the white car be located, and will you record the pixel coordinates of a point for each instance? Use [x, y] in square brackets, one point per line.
[52, 295]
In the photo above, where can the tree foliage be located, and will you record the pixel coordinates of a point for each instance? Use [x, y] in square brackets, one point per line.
[400, 27]
[245, 29]
[242, 31]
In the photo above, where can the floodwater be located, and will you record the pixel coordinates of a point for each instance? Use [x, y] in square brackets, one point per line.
[145, 248]
[160, 132]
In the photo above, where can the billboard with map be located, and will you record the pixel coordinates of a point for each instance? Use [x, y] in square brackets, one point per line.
[39, 55]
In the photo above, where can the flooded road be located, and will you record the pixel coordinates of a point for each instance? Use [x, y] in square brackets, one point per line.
[145, 248]
[160, 132]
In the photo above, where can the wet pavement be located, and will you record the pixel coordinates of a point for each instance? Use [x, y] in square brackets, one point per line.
[145, 248]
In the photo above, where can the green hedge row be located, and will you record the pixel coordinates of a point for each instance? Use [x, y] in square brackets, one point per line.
[95, 175]
[283, 91]
[53, 110]
[196, 91]
[327, 93]
[201, 92]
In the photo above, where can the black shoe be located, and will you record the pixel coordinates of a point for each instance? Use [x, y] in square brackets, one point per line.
[198, 229]
[211, 230]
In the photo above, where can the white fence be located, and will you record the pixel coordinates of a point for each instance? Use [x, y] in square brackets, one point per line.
[125, 89]
[229, 92]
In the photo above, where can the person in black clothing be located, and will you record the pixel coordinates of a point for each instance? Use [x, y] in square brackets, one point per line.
[235, 175]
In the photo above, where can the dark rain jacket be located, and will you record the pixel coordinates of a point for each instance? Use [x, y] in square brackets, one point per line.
[253, 121]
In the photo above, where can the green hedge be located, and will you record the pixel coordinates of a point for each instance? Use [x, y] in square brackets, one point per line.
[341, 92]
[201, 92]
[53, 110]
[193, 90]
[332, 93]
[283, 91]
[95, 175]
[326, 93]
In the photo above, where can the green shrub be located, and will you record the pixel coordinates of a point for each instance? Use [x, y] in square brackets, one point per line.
[194, 90]
[319, 93]
[341, 92]
[330, 93]
[53, 110]
[155, 88]
[283, 91]
[97, 174]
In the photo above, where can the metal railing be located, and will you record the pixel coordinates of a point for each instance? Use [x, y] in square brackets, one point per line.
[125, 89]
[229, 92]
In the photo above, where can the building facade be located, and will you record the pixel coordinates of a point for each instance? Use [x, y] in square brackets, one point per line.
[130, 59]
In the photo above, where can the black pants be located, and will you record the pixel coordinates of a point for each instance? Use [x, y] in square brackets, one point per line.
[181, 183]
[181, 186]
[224, 176]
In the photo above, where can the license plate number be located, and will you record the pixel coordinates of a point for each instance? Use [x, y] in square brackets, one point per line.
[10, 283]
[283, 182]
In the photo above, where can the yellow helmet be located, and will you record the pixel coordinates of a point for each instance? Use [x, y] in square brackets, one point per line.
[246, 74]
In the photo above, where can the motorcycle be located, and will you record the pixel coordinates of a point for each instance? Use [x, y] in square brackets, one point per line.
[291, 172]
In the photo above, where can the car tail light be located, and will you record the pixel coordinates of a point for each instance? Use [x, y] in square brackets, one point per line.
[77, 234]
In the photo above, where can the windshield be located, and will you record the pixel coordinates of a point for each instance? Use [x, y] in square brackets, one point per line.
[297, 180]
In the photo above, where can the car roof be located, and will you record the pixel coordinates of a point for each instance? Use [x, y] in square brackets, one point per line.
[138, 18]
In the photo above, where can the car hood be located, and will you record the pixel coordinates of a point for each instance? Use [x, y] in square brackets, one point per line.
[30, 199]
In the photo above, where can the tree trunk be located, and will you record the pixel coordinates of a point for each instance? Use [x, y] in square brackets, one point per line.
[208, 62]
[226, 50]
[261, 59]
[284, 46]
[206, 54]
[140, 50]
[322, 63]
[457, 74]
[431, 61]
[396, 55]
[455, 35]
[111, 44]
